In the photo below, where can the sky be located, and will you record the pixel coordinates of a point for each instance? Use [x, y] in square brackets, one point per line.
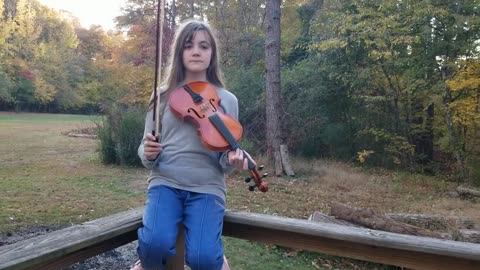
[90, 12]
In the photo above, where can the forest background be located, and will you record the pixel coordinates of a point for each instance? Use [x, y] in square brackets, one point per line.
[393, 83]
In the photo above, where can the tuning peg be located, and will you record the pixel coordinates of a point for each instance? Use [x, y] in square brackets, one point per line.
[261, 167]
[248, 179]
[251, 188]
[264, 175]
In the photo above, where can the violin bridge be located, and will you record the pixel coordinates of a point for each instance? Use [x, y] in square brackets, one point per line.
[204, 107]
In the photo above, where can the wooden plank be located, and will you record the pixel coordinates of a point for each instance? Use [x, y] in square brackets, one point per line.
[62, 248]
[358, 243]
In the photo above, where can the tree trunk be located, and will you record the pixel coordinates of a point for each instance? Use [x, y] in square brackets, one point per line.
[468, 192]
[174, 15]
[465, 230]
[421, 131]
[287, 168]
[272, 69]
[192, 9]
[454, 139]
[370, 219]
[433, 221]
[420, 220]
[471, 236]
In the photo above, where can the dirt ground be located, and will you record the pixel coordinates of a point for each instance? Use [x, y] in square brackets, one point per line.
[319, 183]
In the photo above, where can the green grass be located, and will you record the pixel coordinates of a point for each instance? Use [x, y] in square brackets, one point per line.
[247, 255]
[48, 178]
[42, 195]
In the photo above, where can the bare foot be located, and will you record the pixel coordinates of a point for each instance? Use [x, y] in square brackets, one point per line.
[225, 264]
[137, 266]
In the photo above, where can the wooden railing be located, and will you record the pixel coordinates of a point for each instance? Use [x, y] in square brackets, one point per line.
[62, 248]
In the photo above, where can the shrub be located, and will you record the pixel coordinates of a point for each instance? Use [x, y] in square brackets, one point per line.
[388, 150]
[120, 134]
[106, 145]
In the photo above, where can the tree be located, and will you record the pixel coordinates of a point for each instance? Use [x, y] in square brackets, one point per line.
[465, 87]
[447, 32]
[26, 31]
[92, 41]
[273, 96]
[6, 28]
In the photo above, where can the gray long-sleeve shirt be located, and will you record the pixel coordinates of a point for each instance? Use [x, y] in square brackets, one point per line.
[184, 162]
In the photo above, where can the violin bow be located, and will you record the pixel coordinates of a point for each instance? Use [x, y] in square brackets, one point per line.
[158, 69]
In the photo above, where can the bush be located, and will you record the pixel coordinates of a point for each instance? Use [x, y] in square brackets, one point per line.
[120, 134]
[106, 145]
[387, 150]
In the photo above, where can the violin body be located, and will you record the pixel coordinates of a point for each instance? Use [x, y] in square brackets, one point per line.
[198, 113]
[199, 104]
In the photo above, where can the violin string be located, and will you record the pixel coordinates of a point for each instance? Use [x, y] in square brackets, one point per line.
[220, 125]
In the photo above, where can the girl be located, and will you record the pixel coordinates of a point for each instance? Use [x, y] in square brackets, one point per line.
[187, 181]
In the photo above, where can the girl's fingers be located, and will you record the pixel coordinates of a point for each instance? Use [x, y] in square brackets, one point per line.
[152, 150]
[151, 144]
[239, 159]
[150, 137]
[245, 164]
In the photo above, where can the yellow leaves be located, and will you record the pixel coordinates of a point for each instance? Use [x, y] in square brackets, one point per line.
[135, 87]
[330, 44]
[362, 156]
[377, 54]
[466, 84]
[465, 111]
[468, 78]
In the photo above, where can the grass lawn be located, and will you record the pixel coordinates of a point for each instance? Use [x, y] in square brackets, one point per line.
[49, 179]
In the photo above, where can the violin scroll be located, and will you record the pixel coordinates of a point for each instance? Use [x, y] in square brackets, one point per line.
[255, 176]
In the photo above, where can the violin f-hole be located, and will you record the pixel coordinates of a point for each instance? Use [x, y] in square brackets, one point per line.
[193, 110]
[213, 105]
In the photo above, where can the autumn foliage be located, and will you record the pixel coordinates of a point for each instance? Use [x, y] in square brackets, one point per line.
[382, 83]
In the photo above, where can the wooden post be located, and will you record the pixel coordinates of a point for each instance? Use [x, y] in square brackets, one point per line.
[178, 262]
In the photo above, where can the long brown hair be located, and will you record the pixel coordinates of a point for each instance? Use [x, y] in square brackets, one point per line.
[175, 69]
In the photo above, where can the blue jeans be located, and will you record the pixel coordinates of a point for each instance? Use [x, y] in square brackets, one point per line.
[202, 216]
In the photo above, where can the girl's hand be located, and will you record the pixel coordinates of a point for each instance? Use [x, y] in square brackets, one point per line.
[238, 160]
[151, 148]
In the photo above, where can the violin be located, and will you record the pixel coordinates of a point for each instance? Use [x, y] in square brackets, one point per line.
[198, 103]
